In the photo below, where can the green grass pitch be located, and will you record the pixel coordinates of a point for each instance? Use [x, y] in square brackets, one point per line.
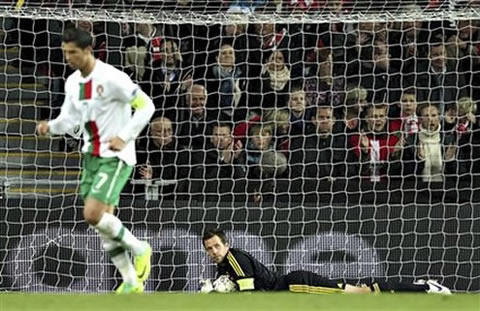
[237, 301]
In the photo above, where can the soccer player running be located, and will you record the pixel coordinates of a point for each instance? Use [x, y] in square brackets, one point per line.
[98, 104]
[249, 274]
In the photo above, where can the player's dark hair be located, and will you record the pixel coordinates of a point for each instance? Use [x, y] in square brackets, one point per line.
[210, 233]
[80, 37]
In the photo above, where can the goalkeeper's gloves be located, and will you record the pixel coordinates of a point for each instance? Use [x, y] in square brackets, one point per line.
[206, 286]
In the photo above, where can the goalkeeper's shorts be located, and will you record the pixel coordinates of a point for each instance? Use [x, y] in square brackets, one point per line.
[104, 178]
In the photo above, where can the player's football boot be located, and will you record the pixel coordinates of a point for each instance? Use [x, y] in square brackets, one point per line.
[434, 287]
[126, 288]
[143, 265]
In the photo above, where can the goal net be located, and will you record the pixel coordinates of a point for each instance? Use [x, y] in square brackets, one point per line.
[337, 136]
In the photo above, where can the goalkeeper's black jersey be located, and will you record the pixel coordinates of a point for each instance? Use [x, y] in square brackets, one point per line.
[247, 272]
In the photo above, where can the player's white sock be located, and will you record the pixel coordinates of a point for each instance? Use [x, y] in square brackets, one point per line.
[110, 226]
[121, 260]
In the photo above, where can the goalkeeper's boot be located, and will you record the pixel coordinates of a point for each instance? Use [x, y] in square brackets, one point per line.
[143, 265]
[434, 287]
[437, 288]
[126, 288]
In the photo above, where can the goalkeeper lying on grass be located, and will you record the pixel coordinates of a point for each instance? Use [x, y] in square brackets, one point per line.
[239, 270]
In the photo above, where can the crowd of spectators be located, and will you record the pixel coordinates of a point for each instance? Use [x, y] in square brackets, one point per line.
[370, 108]
[368, 101]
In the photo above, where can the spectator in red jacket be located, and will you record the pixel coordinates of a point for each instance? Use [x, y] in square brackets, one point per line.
[374, 145]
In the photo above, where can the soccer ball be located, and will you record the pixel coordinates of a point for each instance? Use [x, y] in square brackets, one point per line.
[224, 285]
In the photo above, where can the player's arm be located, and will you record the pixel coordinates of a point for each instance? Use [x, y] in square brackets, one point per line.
[243, 270]
[66, 122]
[128, 92]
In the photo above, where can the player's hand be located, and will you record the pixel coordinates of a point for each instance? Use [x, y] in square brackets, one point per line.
[42, 128]
[116, 144]
[206, 286]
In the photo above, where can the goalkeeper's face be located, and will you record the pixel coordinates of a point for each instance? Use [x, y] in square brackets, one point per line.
[216, 249]
[76, 57]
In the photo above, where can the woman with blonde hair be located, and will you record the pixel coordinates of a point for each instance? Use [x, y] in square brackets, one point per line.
[461, 116]
[355, 103]
[277, 119]
[461, 120]
[280, 120]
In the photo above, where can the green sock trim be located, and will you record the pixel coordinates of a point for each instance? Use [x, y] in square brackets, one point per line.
[120, 235]
[116, 251]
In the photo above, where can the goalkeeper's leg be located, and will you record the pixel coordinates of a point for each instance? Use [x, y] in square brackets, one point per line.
[309, 282]
[421, 286]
